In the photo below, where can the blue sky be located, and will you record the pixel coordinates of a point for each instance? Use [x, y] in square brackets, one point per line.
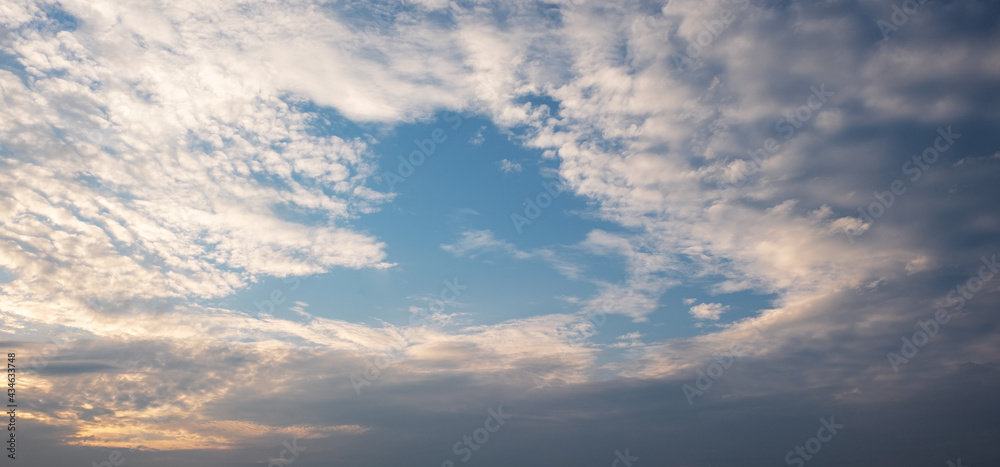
[463, 186]
[686, 233]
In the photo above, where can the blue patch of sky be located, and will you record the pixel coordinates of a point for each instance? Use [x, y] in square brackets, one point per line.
[326, 121]
[433, 206]
[6, 276]
[460, 187]
[538, 100]
[671, 319]
[55, 19]
[364, 16]
[13, 65]
[552, 13]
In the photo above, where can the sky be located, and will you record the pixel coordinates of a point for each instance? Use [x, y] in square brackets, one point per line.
[685, 233]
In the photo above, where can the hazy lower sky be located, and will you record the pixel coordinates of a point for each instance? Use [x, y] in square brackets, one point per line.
[685, 233]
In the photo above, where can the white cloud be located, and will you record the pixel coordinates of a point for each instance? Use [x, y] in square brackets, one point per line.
[627, 340]
[473, 242]
[507, 166]
[172, 180]
[711, 311]
[478, 138]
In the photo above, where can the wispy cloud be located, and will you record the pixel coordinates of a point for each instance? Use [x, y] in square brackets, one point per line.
[479, 139]
[508, 167]
[474, 242]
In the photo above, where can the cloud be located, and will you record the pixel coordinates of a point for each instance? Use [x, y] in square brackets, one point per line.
[158, 155]
[638, 294]
[159, 184]
[474, 242]
[507, 166]
[478, 139]
[627, 340]
[710, 311]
